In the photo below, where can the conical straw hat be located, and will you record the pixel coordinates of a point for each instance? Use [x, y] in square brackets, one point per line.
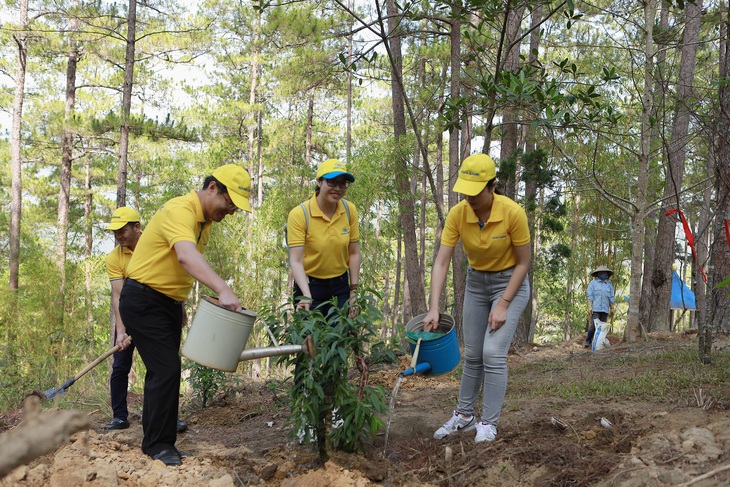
[602, 268]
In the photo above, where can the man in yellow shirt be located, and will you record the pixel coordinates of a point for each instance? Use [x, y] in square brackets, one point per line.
[125, 224]
[166, 262]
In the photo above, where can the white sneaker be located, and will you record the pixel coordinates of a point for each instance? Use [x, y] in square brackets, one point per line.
[301, 435]
[485, 432]
[337, 421]
[458, 422]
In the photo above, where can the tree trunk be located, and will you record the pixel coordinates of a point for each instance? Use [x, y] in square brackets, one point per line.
[64, 191]
[308, 136]
[348, 133]
[405, 196]
[509, 145]
[703, 319]
[458, 259]
[397, 292]
[16, 203]
[634, 330]
[88, 249]
[254, 134]
[661, 89]
[661, 280]
[126, 103]
[259, 157]
[704, 328]
[531, 144]
[421, 81]
[574, 281]
[719, 301]
[646, 288]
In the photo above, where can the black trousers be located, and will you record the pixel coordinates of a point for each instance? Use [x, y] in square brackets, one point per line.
[155, 323]
[119, 381]
[597, 315]
[323, 290]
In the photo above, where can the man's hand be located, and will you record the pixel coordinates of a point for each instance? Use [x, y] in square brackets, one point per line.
[229, 300]
[123, 340]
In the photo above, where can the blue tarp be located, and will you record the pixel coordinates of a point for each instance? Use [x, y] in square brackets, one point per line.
[682, 296]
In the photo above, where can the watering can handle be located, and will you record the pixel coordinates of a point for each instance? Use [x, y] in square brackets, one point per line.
[414, 360]
[271, 335]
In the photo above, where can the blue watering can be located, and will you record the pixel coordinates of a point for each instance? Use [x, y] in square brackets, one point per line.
[434, 353]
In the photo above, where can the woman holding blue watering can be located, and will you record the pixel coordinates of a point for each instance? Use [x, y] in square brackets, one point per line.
[495, 236]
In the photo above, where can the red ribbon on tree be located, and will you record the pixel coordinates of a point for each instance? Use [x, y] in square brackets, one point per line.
[691, 239]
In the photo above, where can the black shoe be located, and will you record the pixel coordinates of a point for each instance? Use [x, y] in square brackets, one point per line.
[170, 457]
[181, 426]
[117, 424]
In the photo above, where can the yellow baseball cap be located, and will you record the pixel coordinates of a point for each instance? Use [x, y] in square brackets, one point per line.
[121, 217]
[238, 182]
[474, 174]
[331, 168]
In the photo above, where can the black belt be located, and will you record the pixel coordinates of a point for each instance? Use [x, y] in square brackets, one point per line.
[325, 281]
[492, 272]
[145, 288]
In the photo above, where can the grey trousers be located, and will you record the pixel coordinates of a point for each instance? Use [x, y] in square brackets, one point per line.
[485, 353]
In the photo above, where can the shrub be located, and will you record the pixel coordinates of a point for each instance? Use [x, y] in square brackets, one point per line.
[321, 384]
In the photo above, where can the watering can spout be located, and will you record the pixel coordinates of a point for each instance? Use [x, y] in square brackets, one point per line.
[306, 348]
[421, 368]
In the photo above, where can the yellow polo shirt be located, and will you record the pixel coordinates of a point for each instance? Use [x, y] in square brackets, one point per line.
[489, 248]
[327, 241]
[154, 262]
[117, 262]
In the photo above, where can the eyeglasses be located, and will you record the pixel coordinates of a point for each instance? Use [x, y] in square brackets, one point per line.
[333, 183]
[229, 201]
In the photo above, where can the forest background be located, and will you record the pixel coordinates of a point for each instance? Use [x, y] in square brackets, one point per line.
[602, 118]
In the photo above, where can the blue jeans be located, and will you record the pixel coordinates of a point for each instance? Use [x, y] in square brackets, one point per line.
[485, 353]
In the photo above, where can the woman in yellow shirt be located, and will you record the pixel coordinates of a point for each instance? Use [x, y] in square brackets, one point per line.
[323, 238]
[494, 233]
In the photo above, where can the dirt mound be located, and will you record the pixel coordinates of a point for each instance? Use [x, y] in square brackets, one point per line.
[243, 439]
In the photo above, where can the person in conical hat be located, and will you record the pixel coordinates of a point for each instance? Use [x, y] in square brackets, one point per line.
[601, 299]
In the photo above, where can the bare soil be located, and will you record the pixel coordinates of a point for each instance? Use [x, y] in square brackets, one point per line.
[243, 439]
